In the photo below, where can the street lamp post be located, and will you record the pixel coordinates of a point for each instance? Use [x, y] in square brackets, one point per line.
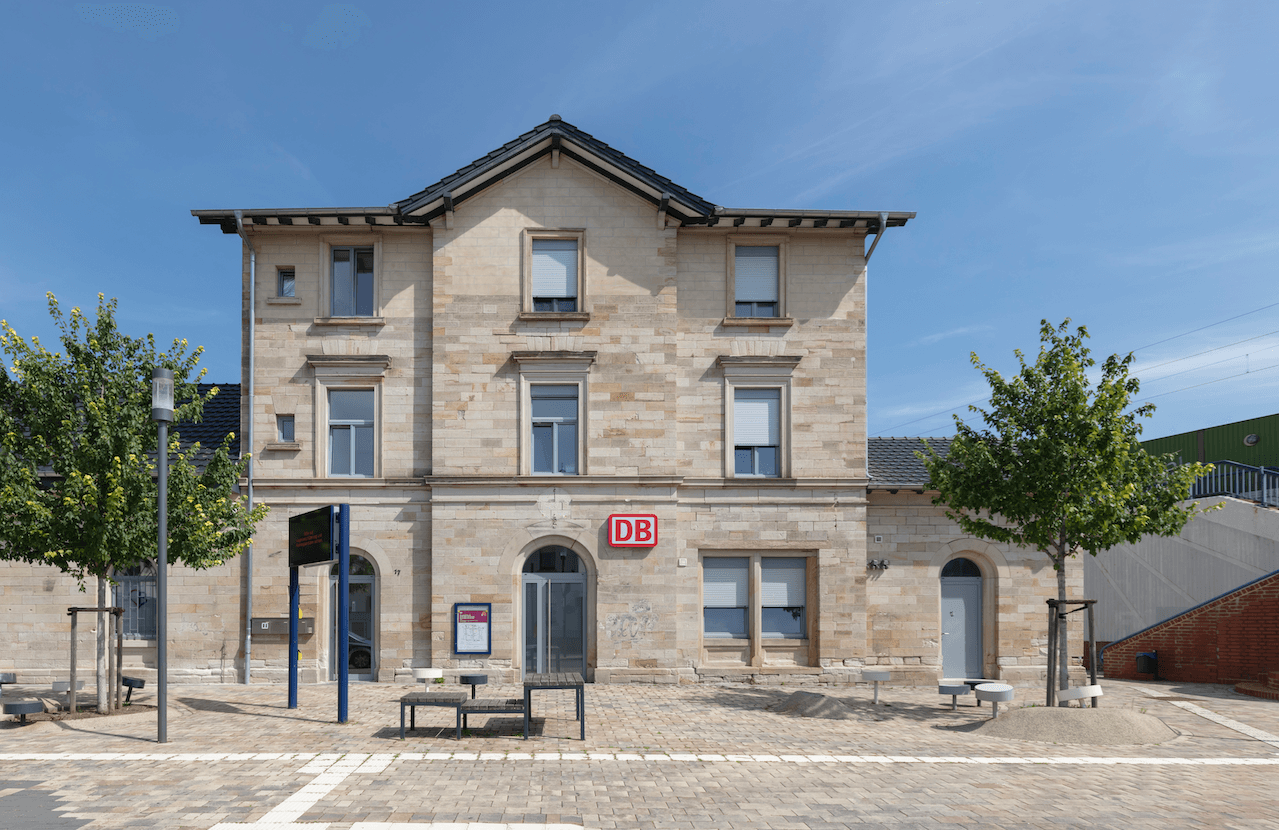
[162, 414]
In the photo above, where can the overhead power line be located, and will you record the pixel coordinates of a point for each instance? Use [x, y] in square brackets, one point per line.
[1157, 365]
[1207, 382]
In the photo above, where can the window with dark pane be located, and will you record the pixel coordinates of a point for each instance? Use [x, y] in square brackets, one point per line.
[554, 427]
[287, 283]
[783, 589]
[284, 424]
[352, 282]
[725, 597]
[757, 432]
[351, 423]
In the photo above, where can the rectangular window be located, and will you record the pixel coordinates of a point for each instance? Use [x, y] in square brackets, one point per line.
[554, 422]
[755, 280]
[554, 274]
[351, 432]
[757, 432]
[782, 593]
[284, 428]
[135, 591]
[725, 599]
[352, 282]
[286, 287]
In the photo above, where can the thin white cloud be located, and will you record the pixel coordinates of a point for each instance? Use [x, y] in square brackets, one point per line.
[945, 335]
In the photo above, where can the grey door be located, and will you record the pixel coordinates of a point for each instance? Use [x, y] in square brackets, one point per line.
[554, 617]
[961, 647]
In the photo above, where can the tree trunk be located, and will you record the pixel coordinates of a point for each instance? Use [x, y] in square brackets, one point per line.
[1063, 654]
[103, 703]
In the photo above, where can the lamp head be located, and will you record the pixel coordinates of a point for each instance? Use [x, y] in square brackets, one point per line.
[162, 394]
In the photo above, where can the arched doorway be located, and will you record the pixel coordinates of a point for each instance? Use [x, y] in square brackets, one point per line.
[961, 619]
[553, 585]
[361, 621]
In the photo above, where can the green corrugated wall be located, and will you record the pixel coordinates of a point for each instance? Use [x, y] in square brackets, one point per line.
[1225, 443]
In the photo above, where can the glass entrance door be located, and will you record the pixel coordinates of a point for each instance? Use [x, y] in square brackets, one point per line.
[361, 651]
[554, 623]
[554, 612]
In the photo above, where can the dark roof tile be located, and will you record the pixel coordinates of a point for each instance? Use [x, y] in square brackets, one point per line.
[893, 463]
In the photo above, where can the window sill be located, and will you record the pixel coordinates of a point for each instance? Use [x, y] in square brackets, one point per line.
[782, 642]
[282, 446]
[351, 321]
[555, 316]
[284, 301]
[774, 322]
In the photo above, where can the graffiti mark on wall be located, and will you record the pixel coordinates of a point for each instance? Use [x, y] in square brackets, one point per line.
[632, 625]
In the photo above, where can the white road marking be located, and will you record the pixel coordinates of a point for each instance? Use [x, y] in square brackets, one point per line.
[1229, 723]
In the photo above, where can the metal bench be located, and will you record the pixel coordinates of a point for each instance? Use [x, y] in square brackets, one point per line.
[954, 689]
[490, 706]
[996, 693]
[415, 699]
[1079, 693]
[22, 708]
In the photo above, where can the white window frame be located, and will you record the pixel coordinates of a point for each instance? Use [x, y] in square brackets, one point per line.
[325, 294]
[526, 259]
[755, 642]
[346, 372]
[753, 241]
[758, 372]
[553, 369]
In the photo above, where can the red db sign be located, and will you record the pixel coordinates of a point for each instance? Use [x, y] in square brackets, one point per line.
[632, 530]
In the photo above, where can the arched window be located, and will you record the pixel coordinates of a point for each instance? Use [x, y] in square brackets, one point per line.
[359, 566]
[961, 567]
[553, 560]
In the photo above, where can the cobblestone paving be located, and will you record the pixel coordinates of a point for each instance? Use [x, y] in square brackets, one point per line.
[691, 756]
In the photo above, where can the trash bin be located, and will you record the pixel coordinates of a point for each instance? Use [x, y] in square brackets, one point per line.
[1148, 663]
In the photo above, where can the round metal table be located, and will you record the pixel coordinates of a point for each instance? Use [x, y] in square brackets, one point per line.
[474, 680]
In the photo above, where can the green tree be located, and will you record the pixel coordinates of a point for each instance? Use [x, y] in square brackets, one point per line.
[77, 458]
[1058, 465]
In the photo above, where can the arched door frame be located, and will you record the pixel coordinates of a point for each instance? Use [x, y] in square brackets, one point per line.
[994, 572]
[523, 544]
[375, 611]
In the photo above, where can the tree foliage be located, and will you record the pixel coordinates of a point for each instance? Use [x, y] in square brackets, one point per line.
[1059, 466]
[78, 448]
[1056, 464]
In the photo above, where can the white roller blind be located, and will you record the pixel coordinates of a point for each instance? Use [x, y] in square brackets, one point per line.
[554, 267]
[755, 273]
[757, 417]
[782, 582]
[724, 582]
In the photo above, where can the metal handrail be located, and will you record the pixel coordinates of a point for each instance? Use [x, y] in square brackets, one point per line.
[1240, 481]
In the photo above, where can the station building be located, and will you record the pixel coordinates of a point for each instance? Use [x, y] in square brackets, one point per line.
[623, 427]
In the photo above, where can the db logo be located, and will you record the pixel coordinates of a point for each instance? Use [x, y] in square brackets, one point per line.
[632, 530]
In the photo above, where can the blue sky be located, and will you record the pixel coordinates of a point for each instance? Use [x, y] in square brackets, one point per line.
[1115, 163]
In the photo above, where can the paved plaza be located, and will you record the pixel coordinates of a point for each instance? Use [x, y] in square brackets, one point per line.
[655, 756]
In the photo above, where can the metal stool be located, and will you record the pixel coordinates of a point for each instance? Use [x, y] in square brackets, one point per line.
[474, 680]
[131, 683]
[877, 676]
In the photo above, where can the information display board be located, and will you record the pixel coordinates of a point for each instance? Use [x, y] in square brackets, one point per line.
[472, 628]
[311, 538]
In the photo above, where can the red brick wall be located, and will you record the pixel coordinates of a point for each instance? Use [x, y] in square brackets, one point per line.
[1232, 638]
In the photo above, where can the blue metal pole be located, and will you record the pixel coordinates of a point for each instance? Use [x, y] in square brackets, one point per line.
[294, 602]
[344, 607]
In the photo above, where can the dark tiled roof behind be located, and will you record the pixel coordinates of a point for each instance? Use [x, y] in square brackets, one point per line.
[893, 462]
[586, 140]
[221, 416]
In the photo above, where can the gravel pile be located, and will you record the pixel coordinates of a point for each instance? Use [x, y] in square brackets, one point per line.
[813, 705]
[1088, 727]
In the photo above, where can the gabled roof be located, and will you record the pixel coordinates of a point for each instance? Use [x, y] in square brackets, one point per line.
[893, 464]
[555, 134]
[557, 137]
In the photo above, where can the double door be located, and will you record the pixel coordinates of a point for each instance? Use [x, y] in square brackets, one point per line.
[554, 623]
